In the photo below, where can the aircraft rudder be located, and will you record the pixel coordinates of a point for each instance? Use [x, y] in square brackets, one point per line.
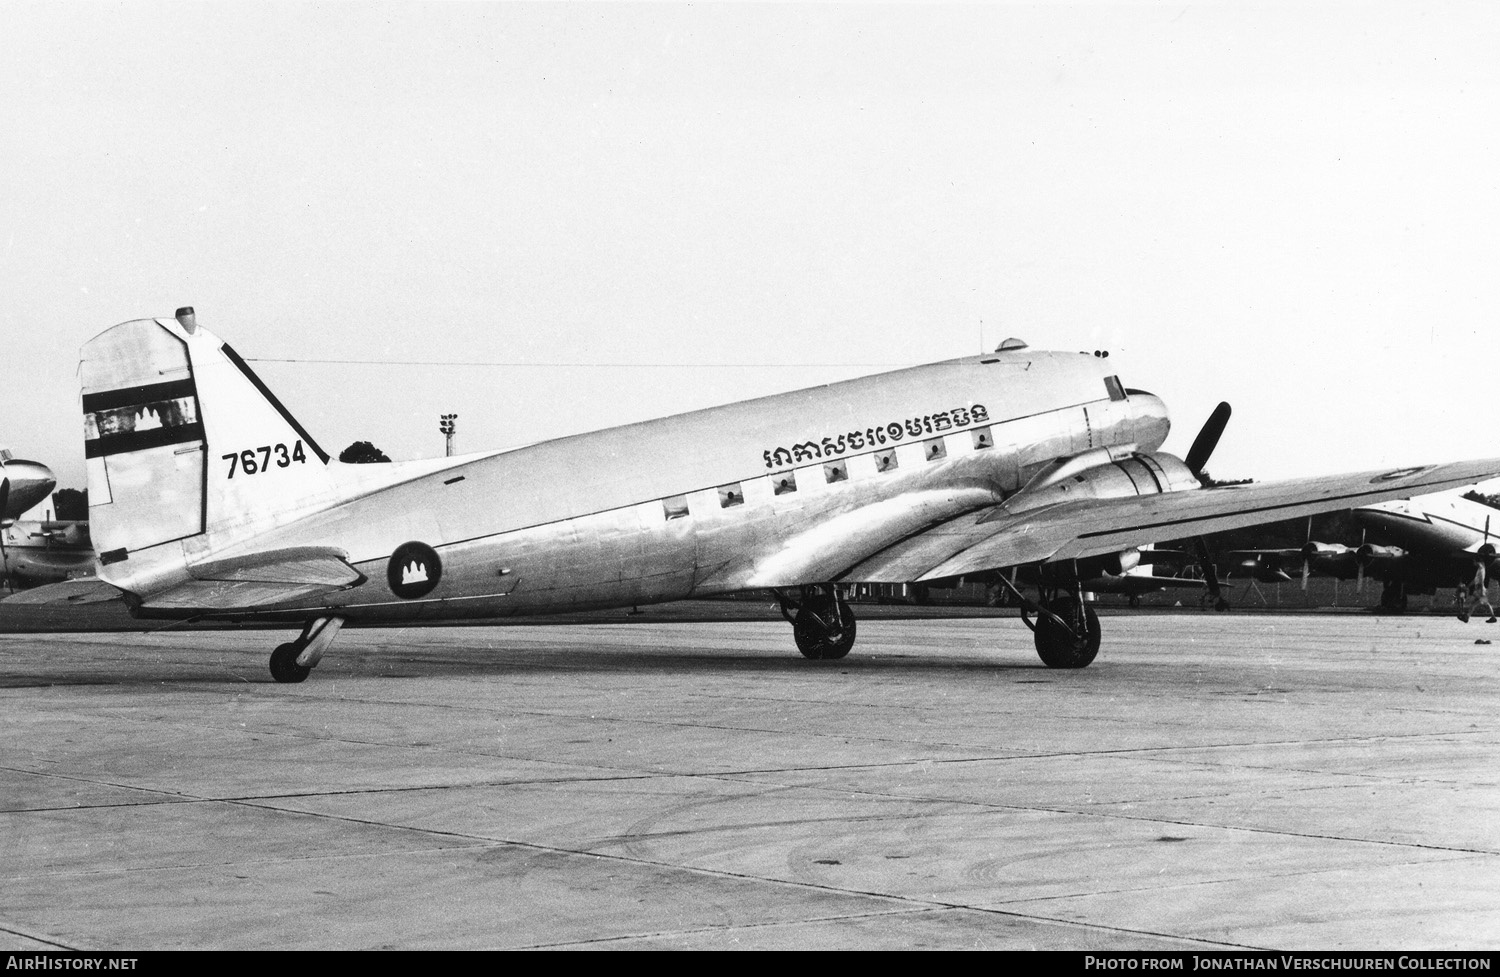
[182, 437]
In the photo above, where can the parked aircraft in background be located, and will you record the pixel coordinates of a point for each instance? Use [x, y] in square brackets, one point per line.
[1426, 543]
[36, 553]
[22, 484]
[1413, 546]
[209, 500]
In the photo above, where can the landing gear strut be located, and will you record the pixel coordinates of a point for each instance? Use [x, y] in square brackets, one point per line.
[294, 661]
[822, 623]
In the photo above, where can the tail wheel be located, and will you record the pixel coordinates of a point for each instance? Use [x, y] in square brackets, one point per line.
[1073, 646]
[284, 667]
[824, 630]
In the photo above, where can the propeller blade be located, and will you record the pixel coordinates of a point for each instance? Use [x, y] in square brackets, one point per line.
[1306, 570]
[1359, 567]
[1207, 439]
[4, 559]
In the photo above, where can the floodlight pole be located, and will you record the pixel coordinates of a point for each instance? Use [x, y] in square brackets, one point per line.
[448, 427]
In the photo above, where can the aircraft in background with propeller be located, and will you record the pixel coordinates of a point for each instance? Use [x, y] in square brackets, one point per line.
[1412, 546]
[23, 484]
[210, 501]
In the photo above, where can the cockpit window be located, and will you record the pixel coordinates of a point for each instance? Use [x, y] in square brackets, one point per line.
[1116, 392]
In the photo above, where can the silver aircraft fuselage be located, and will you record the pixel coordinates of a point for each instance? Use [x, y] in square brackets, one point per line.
[757, 494]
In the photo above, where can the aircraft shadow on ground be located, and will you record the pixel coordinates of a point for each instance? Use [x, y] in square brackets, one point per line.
[218, 667]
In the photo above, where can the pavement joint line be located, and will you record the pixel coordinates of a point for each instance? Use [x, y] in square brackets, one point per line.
[1200, 883]
[728, 776]
[1144, 751]
[145, 870]
[1455, 852]
[169, 797]
[481, 842]
[1116, 815]
[855, 917]
[14, 931]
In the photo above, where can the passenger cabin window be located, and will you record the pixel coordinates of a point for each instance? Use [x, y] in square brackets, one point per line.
[934, 449]
[982, 438]
[836, 471]
[885, 461]
[783, 483]
[676, 507]
[731, 495]
[1116, 392]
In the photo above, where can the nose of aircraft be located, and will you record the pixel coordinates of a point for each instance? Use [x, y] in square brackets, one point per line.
[1150, 419]
[29, 484]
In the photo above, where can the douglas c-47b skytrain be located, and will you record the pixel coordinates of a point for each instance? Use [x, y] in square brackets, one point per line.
[208, 500]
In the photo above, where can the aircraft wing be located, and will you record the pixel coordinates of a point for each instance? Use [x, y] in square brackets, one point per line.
[996, 537]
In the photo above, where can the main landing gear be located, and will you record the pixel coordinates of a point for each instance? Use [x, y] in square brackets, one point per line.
[1066, 629]
[822, 623]
[294, 661]
[1066, 632]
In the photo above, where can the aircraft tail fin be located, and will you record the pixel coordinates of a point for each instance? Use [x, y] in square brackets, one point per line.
[183, 440]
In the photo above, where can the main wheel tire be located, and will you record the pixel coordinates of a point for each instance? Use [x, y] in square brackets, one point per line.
[1057, 646]
[816, 635]
[284, 667]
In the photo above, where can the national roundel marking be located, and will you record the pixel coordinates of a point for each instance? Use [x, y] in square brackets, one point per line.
[1400, 473]
[415, 569]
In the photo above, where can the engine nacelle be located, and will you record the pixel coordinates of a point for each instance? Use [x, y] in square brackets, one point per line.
[1104, 473]
[1109, 565]
[1329, 557]
[1380, 558]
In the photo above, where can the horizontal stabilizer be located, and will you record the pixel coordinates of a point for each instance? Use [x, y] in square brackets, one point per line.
[85, 591]
[321, 565]
[256, 579]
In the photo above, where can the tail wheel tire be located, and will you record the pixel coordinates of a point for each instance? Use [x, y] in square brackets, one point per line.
[819, 634]
[1060, 647]
[284, 667]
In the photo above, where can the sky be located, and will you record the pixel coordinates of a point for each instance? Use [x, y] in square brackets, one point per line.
[552, 218]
